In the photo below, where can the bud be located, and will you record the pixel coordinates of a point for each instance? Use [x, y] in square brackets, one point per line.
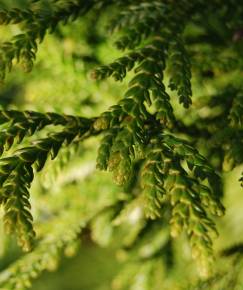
[101, 123]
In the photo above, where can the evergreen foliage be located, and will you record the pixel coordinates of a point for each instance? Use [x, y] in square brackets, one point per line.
[166, 146]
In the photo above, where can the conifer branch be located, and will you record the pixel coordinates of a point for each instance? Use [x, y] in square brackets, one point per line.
[168, 185]
[191, 200]
[180, 69]
[17, 175]
[72, 214]
[27, 123]
[36, 23]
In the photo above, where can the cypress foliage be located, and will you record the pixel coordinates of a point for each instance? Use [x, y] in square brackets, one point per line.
[166, 146]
